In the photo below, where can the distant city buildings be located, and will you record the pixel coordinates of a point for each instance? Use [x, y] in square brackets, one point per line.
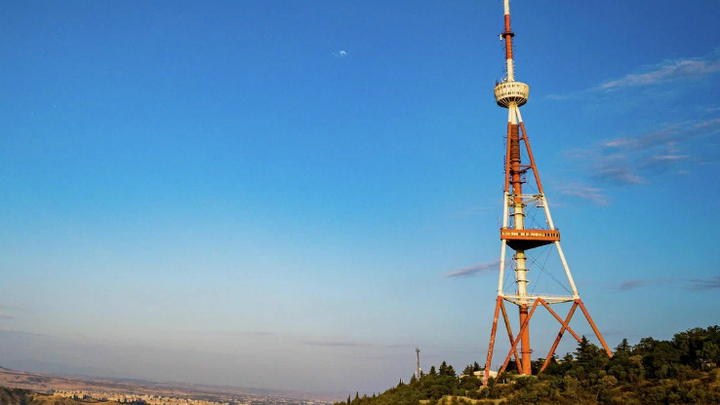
[137, 399]
[156, 399]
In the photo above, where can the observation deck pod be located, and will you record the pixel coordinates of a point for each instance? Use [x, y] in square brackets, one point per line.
[511, 92]
[526, 239]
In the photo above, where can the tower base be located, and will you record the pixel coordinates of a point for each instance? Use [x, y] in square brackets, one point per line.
[524, 367]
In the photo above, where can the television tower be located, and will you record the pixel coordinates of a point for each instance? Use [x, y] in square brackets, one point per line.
[521, 232]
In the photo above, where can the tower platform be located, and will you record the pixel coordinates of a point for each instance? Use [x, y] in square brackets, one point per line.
[525, 239]
[511, 92]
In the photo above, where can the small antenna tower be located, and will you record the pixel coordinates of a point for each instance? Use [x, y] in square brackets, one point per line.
[418, 370]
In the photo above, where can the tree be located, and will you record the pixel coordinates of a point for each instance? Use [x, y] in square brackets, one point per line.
[413, 379]
[469, 370]
[432, 371]
[348, 400]
[623, 347]
[450, 372]
[476, 366]
[590, 359]
[443, 368]
[710, 353]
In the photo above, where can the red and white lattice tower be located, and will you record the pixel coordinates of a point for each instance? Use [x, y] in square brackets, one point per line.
[520, 198]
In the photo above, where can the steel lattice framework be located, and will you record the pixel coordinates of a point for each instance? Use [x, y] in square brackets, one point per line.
[514, 234]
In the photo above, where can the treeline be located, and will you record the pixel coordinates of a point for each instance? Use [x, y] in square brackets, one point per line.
[683, 370]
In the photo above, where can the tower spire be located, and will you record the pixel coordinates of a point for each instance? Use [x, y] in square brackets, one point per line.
[519, 234]
[507, 36]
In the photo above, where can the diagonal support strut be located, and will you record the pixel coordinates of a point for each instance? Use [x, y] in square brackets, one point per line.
[594, 328]
[510, 335]
[559, 336]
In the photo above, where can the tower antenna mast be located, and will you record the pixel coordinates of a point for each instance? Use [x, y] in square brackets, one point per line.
[517, 201]
[418, 370]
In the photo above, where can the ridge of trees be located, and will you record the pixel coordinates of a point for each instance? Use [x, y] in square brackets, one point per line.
[683, 370]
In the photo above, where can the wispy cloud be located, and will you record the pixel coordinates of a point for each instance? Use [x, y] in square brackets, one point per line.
[472, 271]
[6, 316]
[670, 71]
[667, 71]
[595, 195]
[400, 346]
[629, 160]
[321, 343]
[634, 284]
[340, 54]
[712, 283]
[705, 284]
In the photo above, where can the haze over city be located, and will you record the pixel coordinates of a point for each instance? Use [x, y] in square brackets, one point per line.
[294, 195]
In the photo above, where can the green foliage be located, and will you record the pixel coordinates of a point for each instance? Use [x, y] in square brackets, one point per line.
[468, 370]
[683, 370]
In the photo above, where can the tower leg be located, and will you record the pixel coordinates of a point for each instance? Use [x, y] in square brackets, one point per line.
[498, 303]
[594, 328]
[523, 328]
[510, 336]
[525, 341]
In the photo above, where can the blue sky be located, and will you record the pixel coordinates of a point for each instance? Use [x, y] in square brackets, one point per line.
[273, 194]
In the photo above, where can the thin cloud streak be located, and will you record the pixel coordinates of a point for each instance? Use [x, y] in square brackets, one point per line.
[628, 160]
[704, 284]
[472, 271]
[634, 284]
[669, 71]
[595, 195]
[319, 343]
[695, 284]
[400, 346]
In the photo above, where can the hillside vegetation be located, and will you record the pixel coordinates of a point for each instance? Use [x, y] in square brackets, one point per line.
[683, 370]
[14, 396]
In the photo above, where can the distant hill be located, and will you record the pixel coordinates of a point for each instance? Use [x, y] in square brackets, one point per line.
[16, 396]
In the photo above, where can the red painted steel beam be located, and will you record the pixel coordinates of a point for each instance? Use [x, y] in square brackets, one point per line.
[525, 349]
[498, 303]
[507, 159]
[508, 38]
[559, 336]
[510, 335]
[564, 324]
[594, 328]
[517, 339]
[532, 159]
